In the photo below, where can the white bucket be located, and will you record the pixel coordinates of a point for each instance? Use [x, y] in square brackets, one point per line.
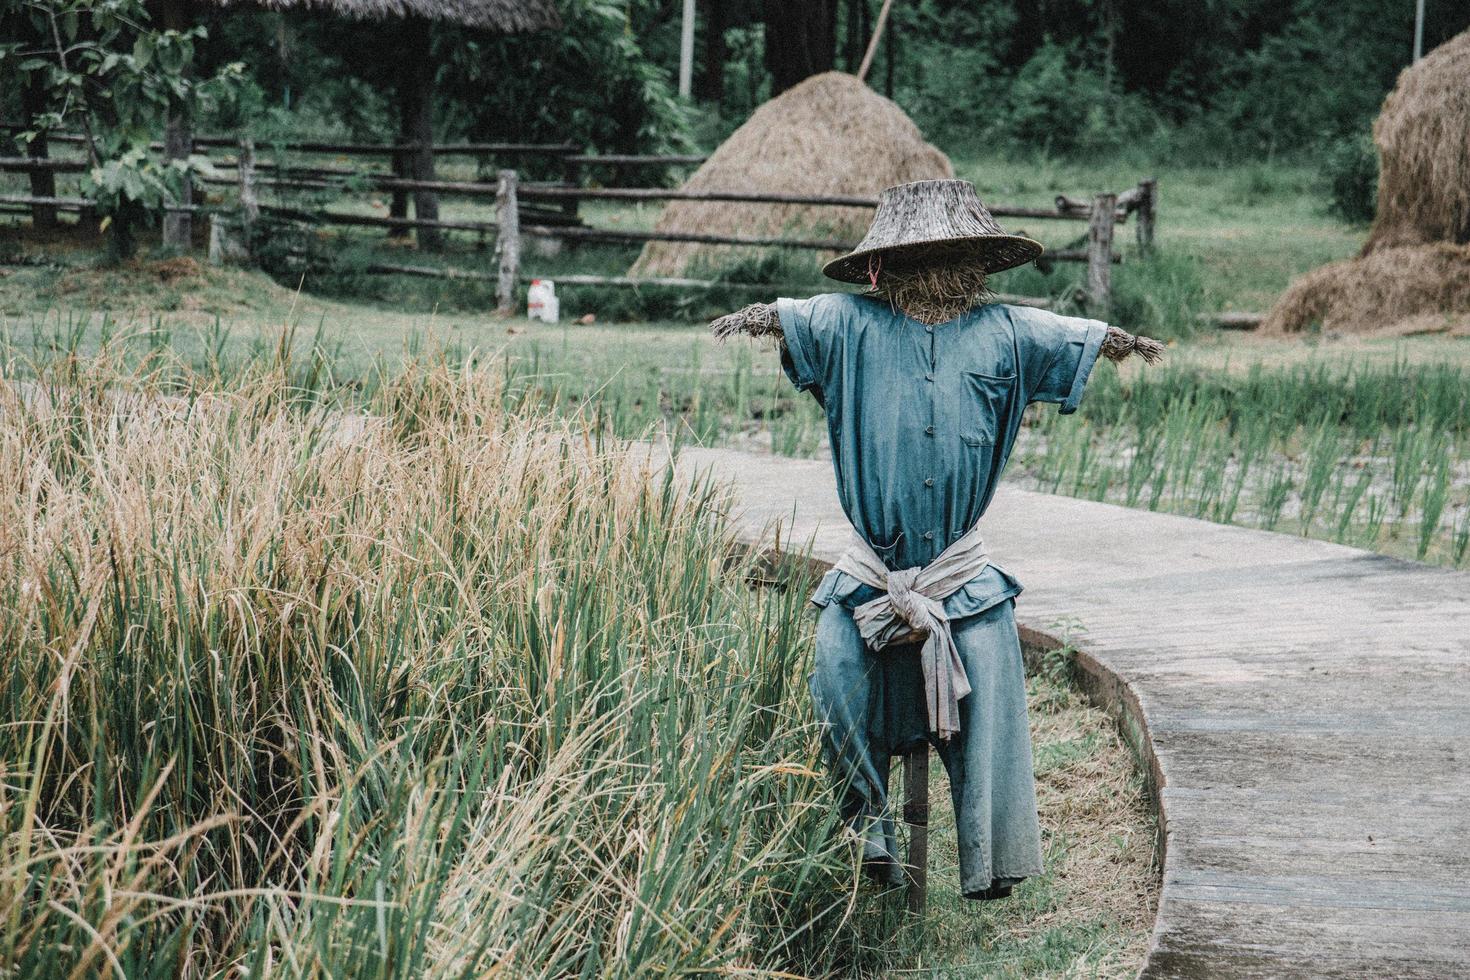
[541, 301]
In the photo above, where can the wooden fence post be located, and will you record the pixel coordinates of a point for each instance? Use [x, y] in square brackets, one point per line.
[508, 242]
[1147, 209]
[1100, 252]
[249, 202]
[571, 173]
[916, 815]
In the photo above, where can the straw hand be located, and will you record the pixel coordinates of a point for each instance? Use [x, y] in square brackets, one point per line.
[756, 320]
[1119, 344]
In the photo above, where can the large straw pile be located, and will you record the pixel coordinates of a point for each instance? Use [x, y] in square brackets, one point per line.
[1414, 273]
[1392, 291]
[1423, 137]
[830, 135]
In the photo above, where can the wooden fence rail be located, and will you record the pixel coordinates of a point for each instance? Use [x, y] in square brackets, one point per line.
[511, 195]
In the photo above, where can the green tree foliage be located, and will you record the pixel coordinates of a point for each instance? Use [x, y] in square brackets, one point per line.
[1198, 80]
[1350, 171]
[106, 71]
[592, 83]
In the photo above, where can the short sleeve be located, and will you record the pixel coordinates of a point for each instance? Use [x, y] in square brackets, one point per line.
[1056, 355]
[812, 329]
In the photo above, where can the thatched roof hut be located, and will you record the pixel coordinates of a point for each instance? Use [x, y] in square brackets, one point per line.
[505, 16]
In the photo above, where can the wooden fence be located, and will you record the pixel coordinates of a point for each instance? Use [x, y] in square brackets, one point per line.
[550, 210]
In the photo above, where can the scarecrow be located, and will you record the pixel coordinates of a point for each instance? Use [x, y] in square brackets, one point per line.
[924, 382]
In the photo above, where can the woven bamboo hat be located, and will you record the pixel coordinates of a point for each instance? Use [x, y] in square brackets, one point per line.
[928, 221]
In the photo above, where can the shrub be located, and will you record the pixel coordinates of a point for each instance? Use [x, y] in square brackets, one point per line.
[1059, 103]
[1350, 175]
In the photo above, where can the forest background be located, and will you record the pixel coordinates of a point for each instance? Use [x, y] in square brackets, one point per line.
[1157, 81]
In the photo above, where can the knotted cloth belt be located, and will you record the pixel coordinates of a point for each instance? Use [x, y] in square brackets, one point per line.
[912, 606]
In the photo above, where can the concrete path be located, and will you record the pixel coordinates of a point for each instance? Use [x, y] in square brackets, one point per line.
[1304, 709]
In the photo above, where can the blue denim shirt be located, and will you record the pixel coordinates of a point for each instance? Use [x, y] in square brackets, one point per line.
[922, 418]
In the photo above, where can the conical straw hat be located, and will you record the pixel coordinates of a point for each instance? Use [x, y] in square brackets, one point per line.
[931, 221]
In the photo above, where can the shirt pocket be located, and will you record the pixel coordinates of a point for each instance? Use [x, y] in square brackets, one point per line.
[887, 550]
[988, 408]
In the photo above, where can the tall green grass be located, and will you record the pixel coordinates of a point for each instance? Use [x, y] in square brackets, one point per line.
[1376, 456]
[440, 689]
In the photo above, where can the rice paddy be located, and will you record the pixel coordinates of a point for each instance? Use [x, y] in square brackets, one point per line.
[412, 675]
[1369, 452]
[463, 689]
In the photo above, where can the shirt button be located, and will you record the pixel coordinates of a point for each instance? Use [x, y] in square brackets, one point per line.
[928, 329]
[928, 535]
[929, 431]
[928, 377]
[929, 481]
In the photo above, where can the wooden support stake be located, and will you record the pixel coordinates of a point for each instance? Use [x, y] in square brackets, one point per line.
[916, 815]
[1147, 210]
[249, 202]
[571, 173]
[1100, 252]
[508, 242]
[862, 72]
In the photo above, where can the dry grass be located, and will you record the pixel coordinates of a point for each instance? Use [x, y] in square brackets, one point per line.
[934, 293]
[1095, 812]
[1424, 152]
[1389, 292]
[1091, 913]
[830, 135]
[440, 690]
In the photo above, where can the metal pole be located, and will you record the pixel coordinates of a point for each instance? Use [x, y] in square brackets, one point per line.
[686, 52]
[1418, 30]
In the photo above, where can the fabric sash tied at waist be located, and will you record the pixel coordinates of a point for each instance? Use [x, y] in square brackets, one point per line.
[912, 606]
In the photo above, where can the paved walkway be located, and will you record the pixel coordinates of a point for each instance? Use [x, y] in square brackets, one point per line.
[1304, 708]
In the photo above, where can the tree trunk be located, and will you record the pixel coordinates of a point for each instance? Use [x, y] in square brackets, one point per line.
[417, 101]
[43, 182]
[709, 84]
[178, 141]
[801, 40]
[398, 206]
[854, 40]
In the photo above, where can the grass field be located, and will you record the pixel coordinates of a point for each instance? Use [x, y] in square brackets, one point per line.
[442, 689]
[1363, 441]
[1229, 238]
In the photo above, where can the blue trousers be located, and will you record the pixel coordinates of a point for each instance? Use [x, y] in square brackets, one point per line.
[871, 706]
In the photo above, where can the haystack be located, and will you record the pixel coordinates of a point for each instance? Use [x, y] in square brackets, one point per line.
[1423, 137]
[1414, 272]
[829, 135]
[1392, 292]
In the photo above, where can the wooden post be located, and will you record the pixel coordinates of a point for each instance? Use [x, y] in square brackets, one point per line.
[416, 95]
[178, 141]
[916, 815]
[508, 242]
[43, 182]
[571, 173]
[249, 202]
[1147, 209]
[1100, 252]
